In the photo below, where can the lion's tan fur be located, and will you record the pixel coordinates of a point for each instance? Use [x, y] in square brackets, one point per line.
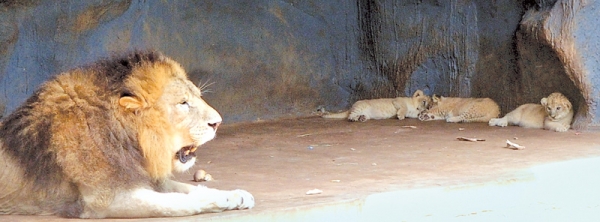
[554, 112]
[385, 108]
[98, 140]
[456, 109]
[159, 159]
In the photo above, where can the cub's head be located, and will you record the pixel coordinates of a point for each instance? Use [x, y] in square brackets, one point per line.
[421, 101]
[171, 117]
[557, 106]
[435, 100]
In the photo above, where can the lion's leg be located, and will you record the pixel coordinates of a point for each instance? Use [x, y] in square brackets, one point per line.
[456, 119]
[511, 118]
[472, 116]
[514, 117]
[452, 117]
[480, 118]
[144, 202]
[556, 126]
[174, 186]
[401, 113]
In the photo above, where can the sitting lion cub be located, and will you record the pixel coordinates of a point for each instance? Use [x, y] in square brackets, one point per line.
[455, 109]
[385, 108]
[554, 113]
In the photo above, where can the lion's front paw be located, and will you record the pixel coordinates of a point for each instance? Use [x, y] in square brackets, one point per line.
[213, 200]
[241, 199]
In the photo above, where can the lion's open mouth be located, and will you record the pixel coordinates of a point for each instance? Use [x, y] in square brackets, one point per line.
[186, 153]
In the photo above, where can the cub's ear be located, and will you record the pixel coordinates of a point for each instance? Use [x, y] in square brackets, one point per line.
[130, 102]
[568, 105]
[418, 93]
[544, 101]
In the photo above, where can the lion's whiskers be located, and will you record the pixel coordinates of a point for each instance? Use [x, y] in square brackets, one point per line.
[203, 86]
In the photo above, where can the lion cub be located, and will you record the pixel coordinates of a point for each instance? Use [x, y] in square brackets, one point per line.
[455, 109]
[385, 108]
[554, 113]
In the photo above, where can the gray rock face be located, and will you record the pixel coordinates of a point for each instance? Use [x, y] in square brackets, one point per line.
[271, 59]
[558, 45]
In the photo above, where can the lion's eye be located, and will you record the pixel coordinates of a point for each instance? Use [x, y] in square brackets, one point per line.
[558, 108]
[184, 106]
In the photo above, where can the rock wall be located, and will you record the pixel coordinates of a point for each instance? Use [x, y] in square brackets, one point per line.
[267, 59]
[270, 59]
[450, 48]
[558, 45]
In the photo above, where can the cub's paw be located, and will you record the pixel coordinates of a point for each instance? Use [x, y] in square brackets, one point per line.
[561, 129]
[494, 122]
[454, 119]
[358, 118]
[498, 122]
[424, 117]
[362, 118]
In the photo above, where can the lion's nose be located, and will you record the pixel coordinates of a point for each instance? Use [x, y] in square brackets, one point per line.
[214, 125]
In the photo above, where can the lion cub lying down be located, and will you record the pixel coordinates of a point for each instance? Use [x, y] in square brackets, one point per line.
[386, 108]
[103, 141]
[553, 113]
[455, 109]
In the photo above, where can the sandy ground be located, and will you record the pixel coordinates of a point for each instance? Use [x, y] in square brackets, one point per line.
[279, 161]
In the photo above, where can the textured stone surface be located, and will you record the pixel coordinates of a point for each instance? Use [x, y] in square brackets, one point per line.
[266, 59]
[558, 45]
[271, 59]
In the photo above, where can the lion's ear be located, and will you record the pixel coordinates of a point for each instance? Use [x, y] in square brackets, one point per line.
[544, 101]
[418, 93]
[568, 105]
[132, 103]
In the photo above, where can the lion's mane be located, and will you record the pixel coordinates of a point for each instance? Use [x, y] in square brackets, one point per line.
[72, 132]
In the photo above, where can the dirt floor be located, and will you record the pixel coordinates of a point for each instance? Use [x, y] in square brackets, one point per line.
[279, 161]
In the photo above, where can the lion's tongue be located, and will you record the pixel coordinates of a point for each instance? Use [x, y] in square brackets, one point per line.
[186, 153]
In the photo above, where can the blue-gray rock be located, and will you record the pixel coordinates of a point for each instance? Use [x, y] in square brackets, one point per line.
[558, 44]
[270, 59]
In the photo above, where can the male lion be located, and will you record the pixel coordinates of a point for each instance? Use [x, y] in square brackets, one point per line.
[385, 108]
[103, 140]
[554, 112]
[456, 109]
